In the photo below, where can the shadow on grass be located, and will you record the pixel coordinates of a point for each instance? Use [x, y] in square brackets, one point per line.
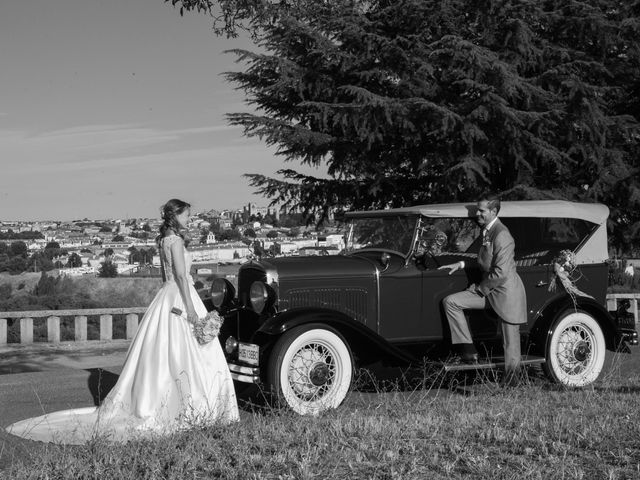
[621, 389]
[100, 383]
[430, 378]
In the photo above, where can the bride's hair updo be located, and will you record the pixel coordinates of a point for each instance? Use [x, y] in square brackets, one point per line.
[168, 213]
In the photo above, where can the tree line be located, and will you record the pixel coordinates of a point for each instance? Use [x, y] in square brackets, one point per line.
[16, 258]
[11, 235]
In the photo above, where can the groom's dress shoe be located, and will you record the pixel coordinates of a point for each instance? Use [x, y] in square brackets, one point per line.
[466, 353]
[469, 358]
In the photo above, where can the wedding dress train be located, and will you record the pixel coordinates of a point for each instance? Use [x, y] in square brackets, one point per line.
[168, 382]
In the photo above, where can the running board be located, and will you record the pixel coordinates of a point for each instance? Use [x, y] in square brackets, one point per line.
[496, 362]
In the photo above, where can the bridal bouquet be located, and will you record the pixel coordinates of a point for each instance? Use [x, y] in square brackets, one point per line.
[206, 328]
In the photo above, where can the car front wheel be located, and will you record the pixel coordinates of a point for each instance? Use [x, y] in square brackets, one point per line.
[310, 369]
[576, 350]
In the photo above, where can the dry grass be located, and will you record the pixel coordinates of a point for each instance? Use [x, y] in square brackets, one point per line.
[102, 292]
[27, 280]
[431, 430]
[119, 292]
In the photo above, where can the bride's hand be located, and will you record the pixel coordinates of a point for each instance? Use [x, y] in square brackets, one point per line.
[192, 317]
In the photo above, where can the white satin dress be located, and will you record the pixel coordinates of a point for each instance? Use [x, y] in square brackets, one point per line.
[169, 382]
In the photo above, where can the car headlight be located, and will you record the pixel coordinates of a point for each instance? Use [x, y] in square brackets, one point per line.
[231, 345]
[222, 292]
[260, 296]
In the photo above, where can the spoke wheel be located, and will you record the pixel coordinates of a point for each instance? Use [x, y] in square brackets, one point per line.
[310, 369]
[576, 350]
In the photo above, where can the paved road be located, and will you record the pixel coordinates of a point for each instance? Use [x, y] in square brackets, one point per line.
[35, 379]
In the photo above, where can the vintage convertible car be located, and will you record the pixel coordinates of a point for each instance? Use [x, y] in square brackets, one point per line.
[299, 325]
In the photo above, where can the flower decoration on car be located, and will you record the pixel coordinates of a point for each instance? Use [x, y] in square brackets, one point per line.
[431, 240]
[564, 266]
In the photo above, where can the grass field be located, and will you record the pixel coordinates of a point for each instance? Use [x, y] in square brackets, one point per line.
[427, 427]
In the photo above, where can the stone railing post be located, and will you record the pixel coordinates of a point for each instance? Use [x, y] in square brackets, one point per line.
[634, 308]
[53, 329]
[80, 327]
[132, 325]
[106, 327]
[614, 298]
[3, 331]
[26, 330]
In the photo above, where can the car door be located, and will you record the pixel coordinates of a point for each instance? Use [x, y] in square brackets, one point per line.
[462, 244]
[436, 285]
[533, 255]
[536, 280]
[401, 309]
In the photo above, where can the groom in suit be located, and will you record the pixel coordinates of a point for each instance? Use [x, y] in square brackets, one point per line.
[500, 288]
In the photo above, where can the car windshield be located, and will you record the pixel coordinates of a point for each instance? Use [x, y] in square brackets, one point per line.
[393, 233]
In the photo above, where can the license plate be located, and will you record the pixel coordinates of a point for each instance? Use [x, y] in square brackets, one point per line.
[248, 352]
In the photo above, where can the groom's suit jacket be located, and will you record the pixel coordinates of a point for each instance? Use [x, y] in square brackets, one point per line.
[500, 283]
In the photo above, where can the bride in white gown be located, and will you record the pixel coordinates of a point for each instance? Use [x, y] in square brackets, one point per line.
[169, 381]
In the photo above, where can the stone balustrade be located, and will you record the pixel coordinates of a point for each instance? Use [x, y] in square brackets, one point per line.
[80, 318]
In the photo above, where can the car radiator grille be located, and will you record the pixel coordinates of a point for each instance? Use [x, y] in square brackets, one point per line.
[351, 301]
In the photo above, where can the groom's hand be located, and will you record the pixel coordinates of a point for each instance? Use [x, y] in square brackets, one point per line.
[453, 267]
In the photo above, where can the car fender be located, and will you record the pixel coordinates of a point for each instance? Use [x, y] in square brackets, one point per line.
[541, 331]
[364, 343]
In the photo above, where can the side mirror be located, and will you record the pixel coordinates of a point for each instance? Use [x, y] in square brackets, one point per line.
[384, 259]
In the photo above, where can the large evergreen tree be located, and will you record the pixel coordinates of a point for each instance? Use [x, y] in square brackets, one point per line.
[415, 101]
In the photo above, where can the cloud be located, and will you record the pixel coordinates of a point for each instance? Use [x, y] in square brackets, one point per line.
[95, 146]
[109, 170]
[98, 171]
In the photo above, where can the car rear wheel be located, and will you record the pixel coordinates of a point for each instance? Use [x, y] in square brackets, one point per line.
[310, 369]
[576, 350]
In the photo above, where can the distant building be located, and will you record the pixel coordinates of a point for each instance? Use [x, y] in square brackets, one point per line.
[333, 240]
[200, 223]
[217, 253]
[73, 239]
[252, 210]
[318, 251]
[116, 245]
[78, 271]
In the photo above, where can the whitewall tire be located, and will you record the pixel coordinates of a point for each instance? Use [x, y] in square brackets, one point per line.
[310, 369]
[576, 350]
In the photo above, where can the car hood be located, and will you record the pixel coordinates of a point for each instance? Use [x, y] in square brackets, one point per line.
[290, 268]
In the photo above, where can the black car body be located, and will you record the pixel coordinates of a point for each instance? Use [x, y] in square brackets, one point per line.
[300, 324]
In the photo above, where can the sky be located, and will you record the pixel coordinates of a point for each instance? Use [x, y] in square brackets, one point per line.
[108, 108]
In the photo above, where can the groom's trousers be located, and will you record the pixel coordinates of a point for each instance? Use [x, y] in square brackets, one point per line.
[454, 306]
